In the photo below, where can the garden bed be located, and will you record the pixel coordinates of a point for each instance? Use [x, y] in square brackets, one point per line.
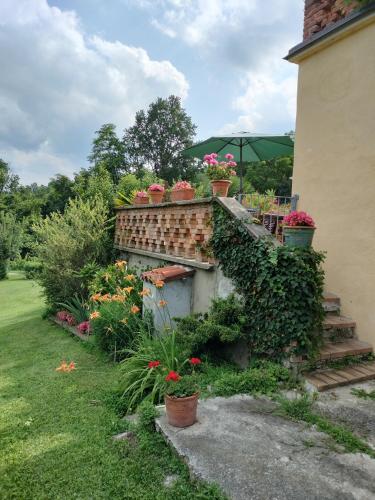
[72, 329]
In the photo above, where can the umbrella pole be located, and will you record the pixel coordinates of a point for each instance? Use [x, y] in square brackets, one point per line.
[241, 168]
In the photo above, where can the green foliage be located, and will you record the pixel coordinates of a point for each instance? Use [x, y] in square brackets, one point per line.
[97, 184]
[183, 388]
[66, 243]
[117, 328]
[302, 409]
[32, 268]
[10, 240]
[265, 379]
[77, 307]
[225, 323]
[361, 393]
[158, 137]
[109, 151]
[273, 174]
[281, 286]
[140, 382]
[147, 413]
[129, 185]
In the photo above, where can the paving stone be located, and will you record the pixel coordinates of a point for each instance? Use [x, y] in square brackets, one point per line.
[251, 453]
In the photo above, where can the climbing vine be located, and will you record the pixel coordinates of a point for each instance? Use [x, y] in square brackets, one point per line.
[282, 287]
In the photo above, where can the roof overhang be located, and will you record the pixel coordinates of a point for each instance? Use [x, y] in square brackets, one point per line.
[355, 21]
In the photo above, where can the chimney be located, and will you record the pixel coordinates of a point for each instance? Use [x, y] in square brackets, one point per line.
[321, 13]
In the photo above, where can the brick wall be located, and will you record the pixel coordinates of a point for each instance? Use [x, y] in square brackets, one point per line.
[180, 230]
[321, 13]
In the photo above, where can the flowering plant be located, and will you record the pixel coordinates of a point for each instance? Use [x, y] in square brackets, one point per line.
[181, 387]
[62, 315]
[156, 188]
[181, 185]
[298, 218]
[219, 170]
[84, 327]
[141, 194]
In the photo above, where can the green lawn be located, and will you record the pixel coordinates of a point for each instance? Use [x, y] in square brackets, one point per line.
[56, 428]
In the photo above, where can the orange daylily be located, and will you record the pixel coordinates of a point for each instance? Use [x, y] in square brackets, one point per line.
[134, 309]
[124, 320]
[159, 283]
[94, 315]
[162, 303]
[118, 298]
[120, 263]
[106, 297]
[64, 367]
[95, 297]
[128, 289]
[145, 292]
[107, 277]
[130, 277]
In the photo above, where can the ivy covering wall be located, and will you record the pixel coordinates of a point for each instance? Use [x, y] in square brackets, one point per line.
[282, 287]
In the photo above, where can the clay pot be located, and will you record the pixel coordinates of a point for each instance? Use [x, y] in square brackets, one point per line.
[141, 201]
[156, 196]
[182, 194]
[181, 412]
[220, 188]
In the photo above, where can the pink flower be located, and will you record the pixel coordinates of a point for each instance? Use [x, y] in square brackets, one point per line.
[142, 194]
[70, 319]
[233, 172]
[207, 157]
[156, 187]
[181, 185]
[213, 162]
[229, 156]
[214, 155]
[297, 218]
[232, 164]
[84, 327]
[62, 315]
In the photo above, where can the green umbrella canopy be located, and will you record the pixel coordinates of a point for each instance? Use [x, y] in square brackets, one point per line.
[245, 147]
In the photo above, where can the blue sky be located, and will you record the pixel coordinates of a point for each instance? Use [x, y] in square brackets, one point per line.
[71, 65]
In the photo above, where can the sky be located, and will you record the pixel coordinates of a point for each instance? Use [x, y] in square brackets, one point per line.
[69, 66]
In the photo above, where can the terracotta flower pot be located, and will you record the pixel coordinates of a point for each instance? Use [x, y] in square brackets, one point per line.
[141, 201]
[298, 236]
[181, 412]
[156, 196]
[220, 188]
[182, 194]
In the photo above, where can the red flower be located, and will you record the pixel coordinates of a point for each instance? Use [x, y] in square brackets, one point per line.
[195, 361]
[153, 364]
[174, 376]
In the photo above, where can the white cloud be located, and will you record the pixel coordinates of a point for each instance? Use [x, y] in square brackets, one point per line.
[248, 40]
[58, 85]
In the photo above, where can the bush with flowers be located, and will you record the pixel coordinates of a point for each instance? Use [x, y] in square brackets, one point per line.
[181, 185]
[114, 279]
[298, 218]
[219, 170]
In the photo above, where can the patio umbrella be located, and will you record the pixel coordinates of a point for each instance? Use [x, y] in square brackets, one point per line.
[245, 147]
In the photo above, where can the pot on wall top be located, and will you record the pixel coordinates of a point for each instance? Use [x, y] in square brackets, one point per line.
[220, 187]
[298, 236]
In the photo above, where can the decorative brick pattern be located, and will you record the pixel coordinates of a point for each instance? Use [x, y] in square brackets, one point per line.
[321, 13]
[180, 230]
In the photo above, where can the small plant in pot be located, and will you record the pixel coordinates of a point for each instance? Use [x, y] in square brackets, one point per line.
[298, 229]
[181, 399]
[141, 198]
[182, 191]
[220, 172]
[156, 191]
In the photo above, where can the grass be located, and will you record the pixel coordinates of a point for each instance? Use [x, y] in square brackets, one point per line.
[301, 409]
[56, 428]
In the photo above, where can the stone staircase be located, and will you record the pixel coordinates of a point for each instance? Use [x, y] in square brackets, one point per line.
[335, 365]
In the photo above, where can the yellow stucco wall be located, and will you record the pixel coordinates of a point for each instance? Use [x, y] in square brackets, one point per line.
[334, 171]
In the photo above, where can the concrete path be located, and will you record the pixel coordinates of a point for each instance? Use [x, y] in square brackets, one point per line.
[253, 454]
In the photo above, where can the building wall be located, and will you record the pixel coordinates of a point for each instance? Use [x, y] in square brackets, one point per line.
[334, 171]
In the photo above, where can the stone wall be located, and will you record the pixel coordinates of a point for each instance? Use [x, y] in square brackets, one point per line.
[321, 13]
[180, 229]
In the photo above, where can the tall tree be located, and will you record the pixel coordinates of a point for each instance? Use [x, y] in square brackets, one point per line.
[108, 150]
[158, 137]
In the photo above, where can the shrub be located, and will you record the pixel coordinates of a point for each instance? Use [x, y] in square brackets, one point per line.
[10, 240]
[66, 243]
[265, 379]
[32, 269]
[225, 323]
[116, 325]
[281, 286]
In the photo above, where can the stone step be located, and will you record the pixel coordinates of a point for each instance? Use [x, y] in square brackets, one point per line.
[349, 347]
[334, 321]
[322, 380]
[331, 307]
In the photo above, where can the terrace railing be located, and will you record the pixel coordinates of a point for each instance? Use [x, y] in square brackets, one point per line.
[269, 210]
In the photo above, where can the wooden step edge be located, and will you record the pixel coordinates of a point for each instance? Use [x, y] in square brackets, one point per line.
[350, 347]
[331, 307]
[322, 380]
[331, 297]
[333, 321]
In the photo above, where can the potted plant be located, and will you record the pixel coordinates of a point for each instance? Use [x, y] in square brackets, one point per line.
[181, 191]
[156, 191]
[181, 399]
[219, 172]
[298, 229]
[141, 198]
